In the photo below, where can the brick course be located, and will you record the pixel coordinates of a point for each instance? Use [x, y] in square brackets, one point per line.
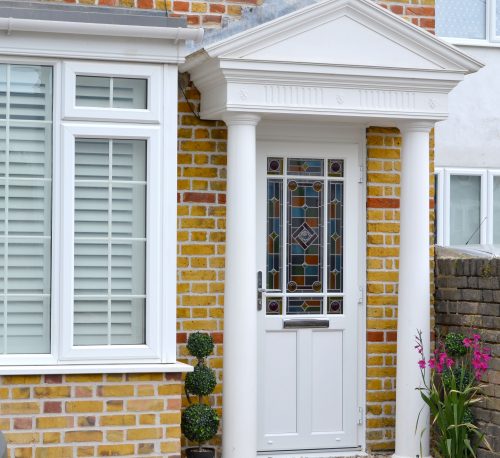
[91, 415]
[468, 296]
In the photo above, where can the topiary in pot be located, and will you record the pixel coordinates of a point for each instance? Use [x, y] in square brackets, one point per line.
[200, 422]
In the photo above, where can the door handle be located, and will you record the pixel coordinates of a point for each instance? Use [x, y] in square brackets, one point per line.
[310, 323]
[261, 291]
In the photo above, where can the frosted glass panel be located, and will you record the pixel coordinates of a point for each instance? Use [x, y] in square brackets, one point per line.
[465, 211]
[497, 15]
[461, 18]
[110, 242]
[25, 208]
[496, 210]
[104, 92]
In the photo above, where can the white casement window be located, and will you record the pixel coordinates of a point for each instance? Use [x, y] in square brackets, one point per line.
[87, 213]
[467, 206]
[469, 21]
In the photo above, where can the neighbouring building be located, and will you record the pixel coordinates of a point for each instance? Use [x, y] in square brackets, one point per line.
[277, 194]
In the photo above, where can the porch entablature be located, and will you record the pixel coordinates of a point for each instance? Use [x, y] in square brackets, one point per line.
[309, 63]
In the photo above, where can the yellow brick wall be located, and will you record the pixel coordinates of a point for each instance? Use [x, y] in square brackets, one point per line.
[68, 416]
[201, 232]
[382, 258]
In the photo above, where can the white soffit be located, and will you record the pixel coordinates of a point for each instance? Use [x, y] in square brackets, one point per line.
[333, 43]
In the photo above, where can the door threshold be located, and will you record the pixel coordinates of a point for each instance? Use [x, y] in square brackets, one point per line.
[313, 454]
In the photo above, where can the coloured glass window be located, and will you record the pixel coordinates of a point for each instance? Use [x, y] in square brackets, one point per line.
[304, 205]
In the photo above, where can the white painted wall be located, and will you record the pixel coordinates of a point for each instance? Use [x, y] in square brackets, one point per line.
[471, 135]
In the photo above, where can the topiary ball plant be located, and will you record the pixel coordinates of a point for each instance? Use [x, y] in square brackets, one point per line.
[200, 422]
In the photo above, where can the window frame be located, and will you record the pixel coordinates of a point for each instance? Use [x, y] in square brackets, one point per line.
[159, 353]
[150, 351]
[492, 36]
[151, 73]
[444, 203]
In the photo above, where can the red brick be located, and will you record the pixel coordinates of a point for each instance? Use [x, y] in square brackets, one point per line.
[52, 407]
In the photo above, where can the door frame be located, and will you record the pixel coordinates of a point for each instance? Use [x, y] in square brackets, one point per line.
[334, 132]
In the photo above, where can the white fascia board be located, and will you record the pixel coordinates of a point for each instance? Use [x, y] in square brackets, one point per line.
[407, 34]
[112, 30]
[27, 37]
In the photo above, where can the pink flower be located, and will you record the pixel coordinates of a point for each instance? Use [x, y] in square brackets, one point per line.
[421, 364]
[432, 363]
[467, 342]
[449, 362]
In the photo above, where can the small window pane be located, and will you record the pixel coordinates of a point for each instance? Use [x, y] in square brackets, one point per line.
[25, 208]
[110, 242]
[130, 93]
[465, 211]
[496, 210]
[105, 92]
[93, 91]
[461, 18]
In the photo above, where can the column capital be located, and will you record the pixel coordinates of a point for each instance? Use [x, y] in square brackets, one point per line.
[241, 119]
[415, 125]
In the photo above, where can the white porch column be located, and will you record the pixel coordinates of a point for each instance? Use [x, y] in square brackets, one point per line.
[239, 438]
[414, 289]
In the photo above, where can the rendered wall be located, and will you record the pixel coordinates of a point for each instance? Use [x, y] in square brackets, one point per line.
[470, 137]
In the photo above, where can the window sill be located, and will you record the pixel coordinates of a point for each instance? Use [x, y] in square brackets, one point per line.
[95, 369]
[472, 42]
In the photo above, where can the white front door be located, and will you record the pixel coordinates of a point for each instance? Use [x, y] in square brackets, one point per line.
[307, 236]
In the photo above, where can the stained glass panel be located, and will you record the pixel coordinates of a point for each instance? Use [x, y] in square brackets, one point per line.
[305, 236]
[274, 166]
[335, 306]
[335, 236]
[335, 168]
[306, 167]
[304, 305]
[274, 233]
[274, 306]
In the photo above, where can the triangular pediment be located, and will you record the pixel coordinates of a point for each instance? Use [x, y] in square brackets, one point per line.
[345, 33]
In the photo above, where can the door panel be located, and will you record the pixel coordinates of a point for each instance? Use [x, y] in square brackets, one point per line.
[308, 202]
[280, 392]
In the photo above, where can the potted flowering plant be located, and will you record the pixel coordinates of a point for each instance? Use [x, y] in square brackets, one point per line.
[200, 422]
[456, 369]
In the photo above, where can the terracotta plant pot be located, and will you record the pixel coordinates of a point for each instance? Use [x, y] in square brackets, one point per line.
[203, 453]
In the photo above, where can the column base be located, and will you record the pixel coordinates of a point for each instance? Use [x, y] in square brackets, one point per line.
[418, 456]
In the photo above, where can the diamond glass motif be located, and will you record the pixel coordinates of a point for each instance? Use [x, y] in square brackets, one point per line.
[305, 167]
[335, 236]
[304, 235]
[274, 233]
[304, 305]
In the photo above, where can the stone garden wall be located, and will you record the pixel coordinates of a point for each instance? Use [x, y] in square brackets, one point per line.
[468, 296]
